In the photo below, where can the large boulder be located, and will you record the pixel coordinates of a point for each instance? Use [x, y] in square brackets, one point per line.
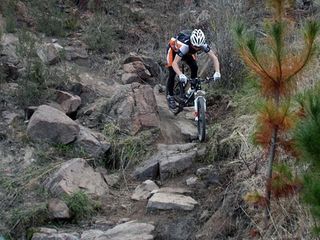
[49, 124]
[140, 69]
[135, 72]
[153, 67]
[76, 175]
[134, 108]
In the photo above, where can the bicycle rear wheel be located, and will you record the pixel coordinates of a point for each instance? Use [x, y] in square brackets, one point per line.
[201, 119]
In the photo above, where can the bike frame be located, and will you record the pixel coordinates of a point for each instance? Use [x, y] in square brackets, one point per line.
[196, 92]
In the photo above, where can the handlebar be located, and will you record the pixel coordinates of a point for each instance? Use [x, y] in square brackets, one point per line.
[201, 80]
[194, 81]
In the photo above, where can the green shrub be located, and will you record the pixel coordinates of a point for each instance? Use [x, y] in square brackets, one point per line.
[25, 217]
[8, 10]
[125, 149]
[37, 78]
[306, 136]
[69, 151]
[49, 17]
[71, 23]
[81, 206]
[97, 5]
[98, 34]
[34, 79]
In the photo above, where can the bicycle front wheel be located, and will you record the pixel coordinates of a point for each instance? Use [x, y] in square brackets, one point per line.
[201, 119]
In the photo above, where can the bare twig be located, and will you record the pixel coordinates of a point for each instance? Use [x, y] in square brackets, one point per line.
[254, 223]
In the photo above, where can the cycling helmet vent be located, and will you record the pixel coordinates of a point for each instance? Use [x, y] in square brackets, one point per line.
[197, 38]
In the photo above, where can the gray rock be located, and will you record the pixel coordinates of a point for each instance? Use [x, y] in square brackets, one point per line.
[172, 190]
[9, 117]
[126, 231]
[168, 161]
[204, 171]
[181, 228]
[9, 44]
[93, 234]
[55, 236]
[153, 67]
[112, 179]
[148, 169]
[188, 129]
[167, 201]
[46, 230]
[89, 142]
[52, 125]
[192, 181]
[128, 78]
[73, 53]
[174, 163]
[48, 53]
[138, 68]
[76, 175]
[58, 209]
[69, 103]
[177, 147]
[134, 107]
[143, 191]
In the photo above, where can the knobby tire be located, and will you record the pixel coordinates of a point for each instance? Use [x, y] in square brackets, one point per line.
[201, 119]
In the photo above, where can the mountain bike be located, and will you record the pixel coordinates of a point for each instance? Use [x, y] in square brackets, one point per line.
[193, 96]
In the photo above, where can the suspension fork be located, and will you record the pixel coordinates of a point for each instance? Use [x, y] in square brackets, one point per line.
[196, 114]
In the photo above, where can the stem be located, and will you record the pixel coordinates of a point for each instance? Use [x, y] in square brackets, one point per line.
[272, 153]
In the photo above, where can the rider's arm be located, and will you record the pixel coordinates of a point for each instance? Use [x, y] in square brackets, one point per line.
[215, 60]
[175, 65]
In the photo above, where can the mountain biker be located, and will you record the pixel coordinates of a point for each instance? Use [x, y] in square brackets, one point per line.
[183, 47]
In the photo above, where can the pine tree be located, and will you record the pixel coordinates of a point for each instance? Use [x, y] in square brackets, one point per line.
[276, 65]
[307, 136]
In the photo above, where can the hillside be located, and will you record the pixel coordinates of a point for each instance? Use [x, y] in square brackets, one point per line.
[88, 146]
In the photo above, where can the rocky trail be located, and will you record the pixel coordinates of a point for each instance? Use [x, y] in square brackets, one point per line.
[166, 197]
[169, 195]
[103, 129]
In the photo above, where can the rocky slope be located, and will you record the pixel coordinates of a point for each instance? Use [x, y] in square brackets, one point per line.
[96, 125]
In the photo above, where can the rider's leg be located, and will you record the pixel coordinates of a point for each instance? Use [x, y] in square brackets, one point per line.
[170, 81]
[189, 59]
[170, 86]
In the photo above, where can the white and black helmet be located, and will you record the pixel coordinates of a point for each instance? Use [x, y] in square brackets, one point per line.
[197, 38]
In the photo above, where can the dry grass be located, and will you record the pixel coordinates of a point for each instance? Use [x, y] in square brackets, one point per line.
[290, 219]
